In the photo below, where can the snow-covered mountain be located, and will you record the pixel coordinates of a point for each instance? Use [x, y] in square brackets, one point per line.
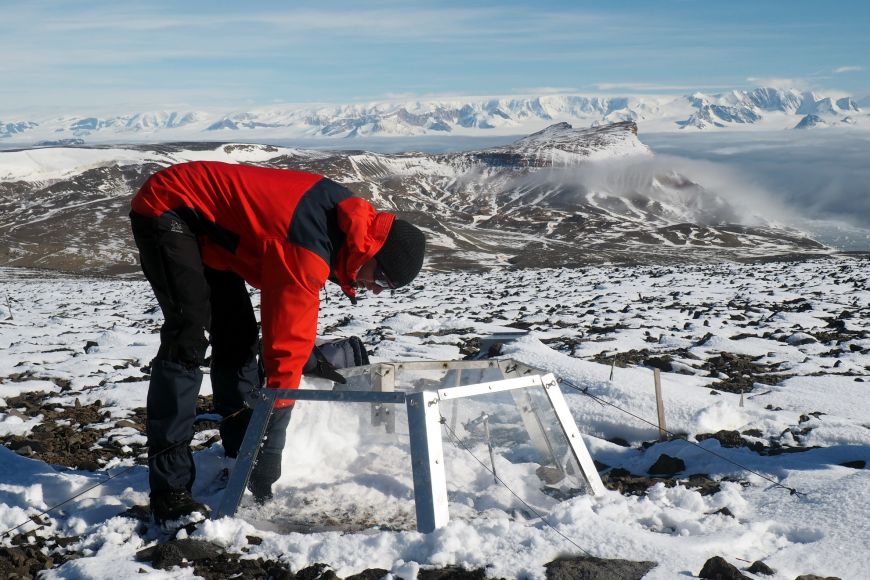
[561, 196]
[473, 116]
[811, 121]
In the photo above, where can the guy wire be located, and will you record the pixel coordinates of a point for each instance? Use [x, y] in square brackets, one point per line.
[601, 401]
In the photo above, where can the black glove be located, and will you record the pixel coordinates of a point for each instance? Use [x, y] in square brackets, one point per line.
[318, 366]
[251, 395]
[345, 352]
[245, 380]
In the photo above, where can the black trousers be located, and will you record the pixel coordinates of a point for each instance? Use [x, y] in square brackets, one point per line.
[195, 299]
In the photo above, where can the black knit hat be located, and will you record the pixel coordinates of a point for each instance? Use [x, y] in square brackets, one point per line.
[401, 257]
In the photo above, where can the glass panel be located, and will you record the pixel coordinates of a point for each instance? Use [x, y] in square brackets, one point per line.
[517, 433]
[339, 473]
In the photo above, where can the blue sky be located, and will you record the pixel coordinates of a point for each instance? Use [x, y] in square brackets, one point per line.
[119, 56]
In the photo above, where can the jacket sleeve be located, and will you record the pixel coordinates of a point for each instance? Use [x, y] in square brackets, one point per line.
[289, 303]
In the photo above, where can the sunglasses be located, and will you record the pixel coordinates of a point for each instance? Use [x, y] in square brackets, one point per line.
[382, 280]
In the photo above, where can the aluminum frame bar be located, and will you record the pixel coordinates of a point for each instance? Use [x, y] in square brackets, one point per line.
[247, 455]
[384, 380]
[572, 434]
[421, 365]
[449, 393]
[427, 461]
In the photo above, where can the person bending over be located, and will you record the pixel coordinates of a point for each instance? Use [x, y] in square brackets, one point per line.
[203, 229]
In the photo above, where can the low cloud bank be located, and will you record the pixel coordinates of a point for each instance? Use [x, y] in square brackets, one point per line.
[822, 175]
[706, 192]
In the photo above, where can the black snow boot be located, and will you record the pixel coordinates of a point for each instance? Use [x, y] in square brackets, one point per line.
[175, 504]
[266, 472]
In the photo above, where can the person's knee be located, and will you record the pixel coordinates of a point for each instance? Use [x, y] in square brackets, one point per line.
[189, 353]
[192, 353]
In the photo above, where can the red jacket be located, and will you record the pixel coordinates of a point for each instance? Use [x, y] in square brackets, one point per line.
[285, 232]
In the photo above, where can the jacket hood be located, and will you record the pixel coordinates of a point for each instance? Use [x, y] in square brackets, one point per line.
[365, 231]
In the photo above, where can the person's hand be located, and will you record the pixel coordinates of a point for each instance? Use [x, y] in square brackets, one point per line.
[251, 394]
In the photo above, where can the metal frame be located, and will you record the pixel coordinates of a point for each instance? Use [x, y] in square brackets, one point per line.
[384, 380]
[424, 426]
[257, 429]
[427, 461]
[572, 434]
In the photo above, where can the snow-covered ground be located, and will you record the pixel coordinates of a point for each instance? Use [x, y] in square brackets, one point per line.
[796, 343]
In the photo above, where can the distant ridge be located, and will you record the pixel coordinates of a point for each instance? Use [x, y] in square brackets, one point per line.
[762, 108]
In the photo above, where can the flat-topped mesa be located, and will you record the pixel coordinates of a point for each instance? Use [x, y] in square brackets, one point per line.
[561, 145]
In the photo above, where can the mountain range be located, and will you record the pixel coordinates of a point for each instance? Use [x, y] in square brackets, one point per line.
[559, 197]
[764, 108]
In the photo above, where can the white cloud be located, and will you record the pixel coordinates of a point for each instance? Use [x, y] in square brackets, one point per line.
[401, 96]
[641, 86]
[848, 69]
[781, 83]
[545, 90]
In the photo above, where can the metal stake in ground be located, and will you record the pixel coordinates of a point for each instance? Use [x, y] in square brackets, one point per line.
[660, 405]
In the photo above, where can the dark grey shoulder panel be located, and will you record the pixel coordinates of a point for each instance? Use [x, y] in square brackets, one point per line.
[315, 222]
